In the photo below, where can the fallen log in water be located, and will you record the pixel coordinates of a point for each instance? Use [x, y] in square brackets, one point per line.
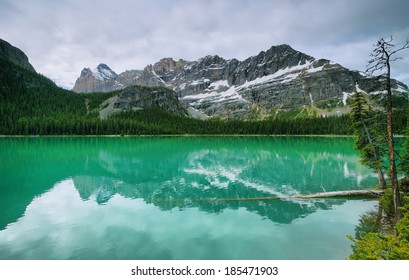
[352, 193]
[372, 193]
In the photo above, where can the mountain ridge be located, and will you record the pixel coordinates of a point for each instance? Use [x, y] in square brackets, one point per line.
[31, 104]
[279, 78]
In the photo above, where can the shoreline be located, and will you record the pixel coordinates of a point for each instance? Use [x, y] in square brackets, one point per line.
[185, 135]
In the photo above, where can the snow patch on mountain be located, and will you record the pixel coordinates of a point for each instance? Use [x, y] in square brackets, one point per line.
[199, 82]
[345, 96]
[312, 100]
[287, 73]
[158, 77]
[219, 84]
[103, 72]
[228, 95]
[400, 88]
[358, 89]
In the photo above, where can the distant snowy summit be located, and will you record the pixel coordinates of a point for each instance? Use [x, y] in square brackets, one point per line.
[99, 79]
[277, 79]
[103, 72]
[103, 79]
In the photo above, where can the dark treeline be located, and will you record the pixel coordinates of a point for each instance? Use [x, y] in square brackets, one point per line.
[59, 112]
[31, 104]
[156, 121]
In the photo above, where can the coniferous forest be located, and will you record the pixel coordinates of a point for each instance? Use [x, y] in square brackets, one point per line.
[31, 104]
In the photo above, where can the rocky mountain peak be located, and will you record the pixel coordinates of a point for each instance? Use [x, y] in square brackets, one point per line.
[103, 72]
[86, 72]
[103, 66]
[166, 65]
[102, 78]
[211, 59]
[279, 78]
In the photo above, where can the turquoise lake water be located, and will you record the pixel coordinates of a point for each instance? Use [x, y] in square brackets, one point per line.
[178, 197]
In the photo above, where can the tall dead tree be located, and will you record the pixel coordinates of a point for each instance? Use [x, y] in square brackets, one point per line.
[381, 58]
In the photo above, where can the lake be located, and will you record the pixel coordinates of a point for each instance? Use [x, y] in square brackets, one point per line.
[178, 197]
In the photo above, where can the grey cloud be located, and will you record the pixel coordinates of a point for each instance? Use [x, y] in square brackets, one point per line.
[62, 37]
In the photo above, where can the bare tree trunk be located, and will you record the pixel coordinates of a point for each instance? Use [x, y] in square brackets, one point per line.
[392, 163]
[381, 177]
[381, 59]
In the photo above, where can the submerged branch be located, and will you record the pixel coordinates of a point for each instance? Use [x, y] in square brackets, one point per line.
[371, 193]
[352, 193]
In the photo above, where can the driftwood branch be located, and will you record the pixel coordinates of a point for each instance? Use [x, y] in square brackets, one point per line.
[352, 193]
[370, 193]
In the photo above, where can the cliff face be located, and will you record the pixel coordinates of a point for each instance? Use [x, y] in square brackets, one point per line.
[16, 73]
[135, 98]
[101, 79]
[15, 55]
[279, 78]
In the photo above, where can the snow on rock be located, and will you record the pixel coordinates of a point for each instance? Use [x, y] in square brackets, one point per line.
[400, 89]
[312, 101]
[217, 84]
[378, 92]
[199, 82]
[345, 95]
[182, 86]
[282, 75]
[103, 72]
[358, 89]
[158, 77]
[316, 69]
[230, 94]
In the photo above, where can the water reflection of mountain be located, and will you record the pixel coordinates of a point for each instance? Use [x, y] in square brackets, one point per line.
[174, 171]
[281, 211]
[209, 169]
[304, 164]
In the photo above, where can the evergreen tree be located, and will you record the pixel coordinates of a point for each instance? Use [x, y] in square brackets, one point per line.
[366, 137]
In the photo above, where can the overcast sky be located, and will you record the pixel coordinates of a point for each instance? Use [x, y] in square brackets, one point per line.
[62, 37]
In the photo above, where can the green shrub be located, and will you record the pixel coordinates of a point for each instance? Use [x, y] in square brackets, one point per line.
[377, 246]
[386, 202]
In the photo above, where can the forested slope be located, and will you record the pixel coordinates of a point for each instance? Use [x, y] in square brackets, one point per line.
[31, 104]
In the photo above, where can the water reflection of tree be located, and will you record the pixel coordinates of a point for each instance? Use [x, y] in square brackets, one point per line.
[377, 235]
[379, 220]
[369, 222]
